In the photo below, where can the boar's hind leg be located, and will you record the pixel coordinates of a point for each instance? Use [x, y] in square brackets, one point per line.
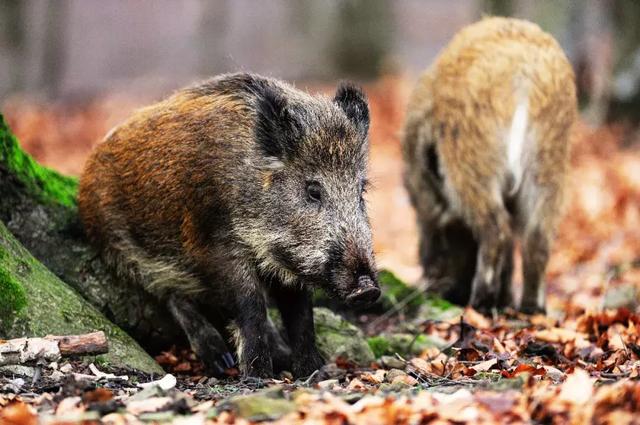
[494, 239]
[296, 308]
[535, 254]
[505, 296]
[203, 336]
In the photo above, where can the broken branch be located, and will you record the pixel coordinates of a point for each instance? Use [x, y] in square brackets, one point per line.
[51, 348]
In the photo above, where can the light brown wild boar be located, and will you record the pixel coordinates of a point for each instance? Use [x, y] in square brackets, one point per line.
[232, 191]
[486, 146]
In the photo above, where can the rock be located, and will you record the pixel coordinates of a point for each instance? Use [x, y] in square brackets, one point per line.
[391, 362]
[20, 370]
[260, 406]
[404, 380]
[337, 337]
[393, 374]
[403, 344]
[327, 384]
[13, 386]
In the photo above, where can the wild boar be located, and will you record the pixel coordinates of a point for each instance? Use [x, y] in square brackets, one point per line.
[232, 192]
[486, 147]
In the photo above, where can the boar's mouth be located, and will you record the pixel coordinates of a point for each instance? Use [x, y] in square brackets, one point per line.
[352, 288]
[350, 276]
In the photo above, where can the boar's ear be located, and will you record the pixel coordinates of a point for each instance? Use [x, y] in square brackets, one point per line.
[278, 129]
[352, 100]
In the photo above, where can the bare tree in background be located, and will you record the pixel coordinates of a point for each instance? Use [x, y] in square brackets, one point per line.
[213, 27]
[12, 44]
[362, 37]
[625, 88]
[53, 58]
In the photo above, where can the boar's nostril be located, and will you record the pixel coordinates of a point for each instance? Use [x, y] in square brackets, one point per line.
[366, 292]
[365, 281]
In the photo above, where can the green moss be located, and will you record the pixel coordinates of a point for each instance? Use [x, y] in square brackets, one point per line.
[44, 183]
[13, 298]
[336, 337]
[379, 345]
[435, 308]
[395, 291]
[49, 306]
[261, 406]
[405, 344]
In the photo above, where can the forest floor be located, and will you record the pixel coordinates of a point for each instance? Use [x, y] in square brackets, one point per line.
[578, 364]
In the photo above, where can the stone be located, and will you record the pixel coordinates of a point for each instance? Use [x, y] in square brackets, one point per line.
[336, 337]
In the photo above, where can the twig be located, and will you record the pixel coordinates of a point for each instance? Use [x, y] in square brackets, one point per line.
[310, 378]
[51, 348]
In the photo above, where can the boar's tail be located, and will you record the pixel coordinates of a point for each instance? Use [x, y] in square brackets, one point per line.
[159, 276]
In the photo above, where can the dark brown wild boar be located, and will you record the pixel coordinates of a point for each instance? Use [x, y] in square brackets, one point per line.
[232, 191]
[486, 148]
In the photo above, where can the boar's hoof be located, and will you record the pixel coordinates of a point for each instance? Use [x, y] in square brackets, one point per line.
[532, 309]
[218, 366]
[304, 366]
[367, 293]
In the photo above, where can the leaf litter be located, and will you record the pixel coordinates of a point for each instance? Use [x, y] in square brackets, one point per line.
[579, 364]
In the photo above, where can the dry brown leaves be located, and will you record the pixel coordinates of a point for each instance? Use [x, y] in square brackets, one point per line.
[580, 366]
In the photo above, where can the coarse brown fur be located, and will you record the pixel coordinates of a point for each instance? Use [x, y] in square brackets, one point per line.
[486, 148]
[231, 190]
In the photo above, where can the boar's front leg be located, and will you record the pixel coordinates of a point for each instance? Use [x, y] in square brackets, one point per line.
[253, 333]
[280, 351]
[296, 308]
[204, 338]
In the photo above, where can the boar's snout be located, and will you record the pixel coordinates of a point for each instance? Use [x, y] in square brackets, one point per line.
[366, 292]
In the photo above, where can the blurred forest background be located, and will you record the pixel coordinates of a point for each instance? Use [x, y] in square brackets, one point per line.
[72, 69]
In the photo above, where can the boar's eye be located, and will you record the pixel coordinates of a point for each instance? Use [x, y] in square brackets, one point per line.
[314, 191]
[364, 186]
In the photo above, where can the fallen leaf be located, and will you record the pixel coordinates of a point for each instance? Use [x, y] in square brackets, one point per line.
[18, 413]
[152, 404]
[98, 395]
[356, 385]
[578, 388]
[484, 366]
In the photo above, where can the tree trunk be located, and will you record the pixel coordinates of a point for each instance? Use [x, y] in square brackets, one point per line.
[38, 207]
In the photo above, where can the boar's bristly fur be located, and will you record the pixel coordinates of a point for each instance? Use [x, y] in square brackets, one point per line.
[232, 192]
[486, 148]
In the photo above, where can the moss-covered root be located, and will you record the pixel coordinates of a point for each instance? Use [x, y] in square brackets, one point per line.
[34, 302]
[40, 182]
